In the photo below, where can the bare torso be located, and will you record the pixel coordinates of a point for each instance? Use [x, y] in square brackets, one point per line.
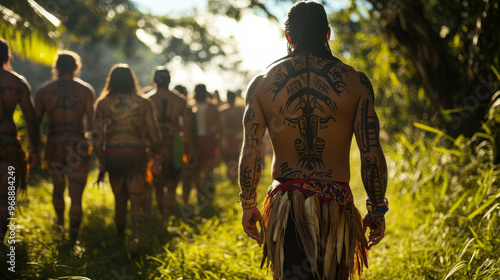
[127, 119]
[169, 107]
[14, 89]
[67, 103]
[309, 116]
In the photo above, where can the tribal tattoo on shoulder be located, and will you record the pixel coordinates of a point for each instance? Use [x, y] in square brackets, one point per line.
[310, 106]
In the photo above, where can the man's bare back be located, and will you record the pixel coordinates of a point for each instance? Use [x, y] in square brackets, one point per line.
[170, 107]
[312, 104]
[310, 116]
[14, 89]
[128, 120]
[66, 103]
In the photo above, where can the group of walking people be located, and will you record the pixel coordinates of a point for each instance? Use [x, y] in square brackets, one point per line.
[310, 103]
[133, 134]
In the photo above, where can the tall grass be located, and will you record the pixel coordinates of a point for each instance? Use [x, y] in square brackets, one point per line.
[445, 200]
[202, 242]
[442, 224]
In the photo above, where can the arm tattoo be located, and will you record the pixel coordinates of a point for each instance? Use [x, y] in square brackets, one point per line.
[255, 139]
[250, 178]
[374, 168]
[251, 154]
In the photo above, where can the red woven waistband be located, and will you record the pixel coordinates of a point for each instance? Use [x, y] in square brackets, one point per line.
[326, 190]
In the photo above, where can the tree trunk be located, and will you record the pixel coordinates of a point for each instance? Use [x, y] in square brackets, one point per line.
[452, 95]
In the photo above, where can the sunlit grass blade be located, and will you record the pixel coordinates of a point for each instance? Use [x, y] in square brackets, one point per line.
[458, 202]
[484, 206]
[466, 247]
[459, 266]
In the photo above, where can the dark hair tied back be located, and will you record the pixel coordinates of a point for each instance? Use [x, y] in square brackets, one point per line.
[307, 26]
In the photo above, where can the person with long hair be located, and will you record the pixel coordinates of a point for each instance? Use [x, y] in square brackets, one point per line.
[125, 130]
[68, 103]
[14, 90]
[312, 104]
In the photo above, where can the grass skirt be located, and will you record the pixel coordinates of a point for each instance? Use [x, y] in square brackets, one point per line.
[330, 231]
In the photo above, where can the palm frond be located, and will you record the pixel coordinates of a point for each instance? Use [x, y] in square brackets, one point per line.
[30, 30]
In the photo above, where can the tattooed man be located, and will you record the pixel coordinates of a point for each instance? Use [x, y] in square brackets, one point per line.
[171, 111]
[125, 127]
[68, 103]
[14, 90]
[312, 104]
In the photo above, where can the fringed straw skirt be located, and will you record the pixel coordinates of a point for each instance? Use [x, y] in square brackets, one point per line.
[327, 226]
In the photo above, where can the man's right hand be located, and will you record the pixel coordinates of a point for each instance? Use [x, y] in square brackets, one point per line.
[377, 229]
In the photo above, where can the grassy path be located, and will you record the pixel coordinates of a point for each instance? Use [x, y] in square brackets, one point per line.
[423, 240]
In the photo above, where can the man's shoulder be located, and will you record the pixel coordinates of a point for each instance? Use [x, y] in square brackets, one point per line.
[158, 94]
[177, 94]
[257, 82]
[83, 84]
[16, 78]
[46, 87]
[349, 70]
[151, 95]
[178, 97]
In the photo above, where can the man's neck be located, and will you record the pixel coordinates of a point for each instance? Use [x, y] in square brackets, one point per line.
[66, 77]
[162, 89]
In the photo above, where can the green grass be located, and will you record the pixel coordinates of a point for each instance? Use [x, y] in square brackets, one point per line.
[444, 203]
[442, 224]
[204, 242]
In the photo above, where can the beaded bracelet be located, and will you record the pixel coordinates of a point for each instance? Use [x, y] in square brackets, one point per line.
[248, 203]
[378, 209]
